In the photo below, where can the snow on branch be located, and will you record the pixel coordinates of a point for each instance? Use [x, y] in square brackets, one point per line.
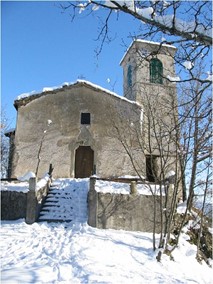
[173, 79]
[190, 30]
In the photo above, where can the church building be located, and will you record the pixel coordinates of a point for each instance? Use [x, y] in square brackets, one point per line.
[83, 129]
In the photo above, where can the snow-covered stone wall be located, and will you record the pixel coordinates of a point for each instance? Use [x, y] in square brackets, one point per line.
[125, 211]
[23, 199]
[13, 205]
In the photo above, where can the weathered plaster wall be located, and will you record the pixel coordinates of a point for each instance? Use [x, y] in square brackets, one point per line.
[66, 134]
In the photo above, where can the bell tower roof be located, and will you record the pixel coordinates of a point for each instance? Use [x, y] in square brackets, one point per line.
[150, 46]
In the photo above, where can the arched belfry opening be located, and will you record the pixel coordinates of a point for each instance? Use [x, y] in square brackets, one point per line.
[84, 162]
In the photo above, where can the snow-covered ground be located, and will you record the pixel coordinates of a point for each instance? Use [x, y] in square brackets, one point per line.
[77, 253]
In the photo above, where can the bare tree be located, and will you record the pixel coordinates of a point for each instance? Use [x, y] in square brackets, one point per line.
[185, 24]
[4, 145]
[195, 124]
[150, 143]
[182, 139]
[159, 16]
[202, 217]
[177, 141]
[194, 145]
[49, 122]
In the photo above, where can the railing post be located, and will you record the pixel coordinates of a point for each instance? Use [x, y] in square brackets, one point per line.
[32, 203]
[50, 170]
[92, 183]
[32, 184]
[133, 187]
[92, 203]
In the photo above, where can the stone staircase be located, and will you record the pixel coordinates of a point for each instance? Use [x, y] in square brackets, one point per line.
[66, 202]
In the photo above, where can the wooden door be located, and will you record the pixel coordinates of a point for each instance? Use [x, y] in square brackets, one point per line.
[84, 162]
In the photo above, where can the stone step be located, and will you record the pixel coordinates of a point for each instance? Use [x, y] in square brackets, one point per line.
[55, 217]
[59, 191]
[56, 210]
[51, 203]
[60, 203]
[56, 198]
[54, 220]
[56, 205]
[60, 195]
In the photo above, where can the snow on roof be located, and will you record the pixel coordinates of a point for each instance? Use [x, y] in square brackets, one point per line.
[66, 84]
[106, 91]
[155, 43]
[147, 42]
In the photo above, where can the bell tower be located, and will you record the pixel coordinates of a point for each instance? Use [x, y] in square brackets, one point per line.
[149, 79]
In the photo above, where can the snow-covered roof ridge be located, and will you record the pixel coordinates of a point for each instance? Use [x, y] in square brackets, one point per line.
[97, 87]
[156, 43]
[147, 42]
[27, 97]
[107, 91]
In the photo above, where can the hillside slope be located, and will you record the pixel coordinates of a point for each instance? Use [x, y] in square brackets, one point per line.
[77, 253]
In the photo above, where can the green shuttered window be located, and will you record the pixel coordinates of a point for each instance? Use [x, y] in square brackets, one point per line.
[156, 71]
[129, 76]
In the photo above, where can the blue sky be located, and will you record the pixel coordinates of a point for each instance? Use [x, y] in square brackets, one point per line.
[41, 47]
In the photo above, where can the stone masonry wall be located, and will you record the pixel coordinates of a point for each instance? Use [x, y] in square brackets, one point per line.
[13, 205]
[123, 211]
[16, 205]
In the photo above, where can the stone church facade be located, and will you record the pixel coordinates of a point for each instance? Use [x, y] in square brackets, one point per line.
[83, 129]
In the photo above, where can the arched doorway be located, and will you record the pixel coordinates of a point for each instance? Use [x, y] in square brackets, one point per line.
[84, 162]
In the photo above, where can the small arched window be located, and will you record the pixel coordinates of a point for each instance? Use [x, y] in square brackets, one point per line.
[129, 76]
[156, 71]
